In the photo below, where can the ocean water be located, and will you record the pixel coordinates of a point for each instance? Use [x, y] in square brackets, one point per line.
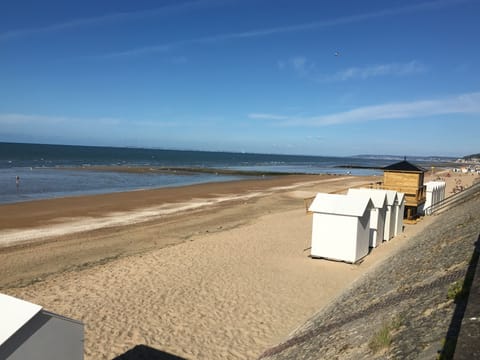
[47, 171]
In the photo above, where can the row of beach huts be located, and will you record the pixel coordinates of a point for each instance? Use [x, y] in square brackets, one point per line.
[345, 227]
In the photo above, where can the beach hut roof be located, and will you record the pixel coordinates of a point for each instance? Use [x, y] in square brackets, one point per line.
[379, 197]
[14, 313]
[432, 184]
[391, 196]
[340, 204]
[400, 197]
[404, 165]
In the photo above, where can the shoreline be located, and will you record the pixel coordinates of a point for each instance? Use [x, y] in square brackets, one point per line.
[25, 214]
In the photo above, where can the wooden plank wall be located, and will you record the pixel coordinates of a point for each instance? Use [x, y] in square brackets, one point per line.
[402, 180]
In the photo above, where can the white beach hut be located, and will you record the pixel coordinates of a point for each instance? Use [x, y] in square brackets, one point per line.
[399, 212]
[341, 227]
[377, 213]
[27, 332]
[435, 194]
[389, 231]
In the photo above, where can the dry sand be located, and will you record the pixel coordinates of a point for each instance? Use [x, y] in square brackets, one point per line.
[237, 281]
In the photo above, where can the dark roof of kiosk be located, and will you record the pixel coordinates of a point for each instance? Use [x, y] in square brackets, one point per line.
[404, 166]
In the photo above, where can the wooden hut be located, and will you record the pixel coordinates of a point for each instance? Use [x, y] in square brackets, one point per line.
[406, 178]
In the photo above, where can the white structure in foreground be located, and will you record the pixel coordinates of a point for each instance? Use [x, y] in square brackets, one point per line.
[390, 215]
[27, 332]
[377, 214]
[435, 194]
[399, 211]
[341, 227]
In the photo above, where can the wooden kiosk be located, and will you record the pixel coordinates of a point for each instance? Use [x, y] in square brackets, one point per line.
[406, 178]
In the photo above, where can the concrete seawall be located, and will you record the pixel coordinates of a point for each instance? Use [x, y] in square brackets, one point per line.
[410, 307]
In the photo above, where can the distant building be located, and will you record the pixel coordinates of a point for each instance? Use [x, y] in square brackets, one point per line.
[406, 178]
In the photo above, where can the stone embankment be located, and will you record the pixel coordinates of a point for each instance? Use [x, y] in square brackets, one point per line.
[410, 307]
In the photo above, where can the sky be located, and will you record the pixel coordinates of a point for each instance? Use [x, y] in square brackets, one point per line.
[330, 77]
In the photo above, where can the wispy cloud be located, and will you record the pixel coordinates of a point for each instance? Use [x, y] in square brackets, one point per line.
[468, 104]
[109, 18]
[307, 68]
[300, 65]
[315, 138]
[426, 6]
[267, 116]
[35, 121]
[395, 69]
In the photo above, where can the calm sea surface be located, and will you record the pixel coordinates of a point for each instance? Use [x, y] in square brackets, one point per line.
[43, 174]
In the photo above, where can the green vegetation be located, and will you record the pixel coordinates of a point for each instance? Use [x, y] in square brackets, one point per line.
[455, 291]
[382, 339]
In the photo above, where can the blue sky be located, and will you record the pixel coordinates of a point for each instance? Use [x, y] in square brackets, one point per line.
[270, 76]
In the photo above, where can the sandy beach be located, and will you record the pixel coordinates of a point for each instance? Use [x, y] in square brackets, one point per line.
[212, 271]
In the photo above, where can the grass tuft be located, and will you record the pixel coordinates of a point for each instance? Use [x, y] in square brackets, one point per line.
[382, 339]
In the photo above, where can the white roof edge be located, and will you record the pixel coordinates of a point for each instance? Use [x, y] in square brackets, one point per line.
[14, 313]
[340, 204]
[400, 196]
[391, 196]
[379, 197]
[61, 317]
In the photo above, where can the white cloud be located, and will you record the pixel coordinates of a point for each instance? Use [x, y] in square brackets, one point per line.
[468, 104]
[432, 5]
[395, 69]
[23, 119]
[308, 69]
[45, 123]
[267, 116]
[315, 138]
[108, 18]
[134, 52]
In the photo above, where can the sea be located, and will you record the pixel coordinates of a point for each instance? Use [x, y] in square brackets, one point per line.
[51, 171]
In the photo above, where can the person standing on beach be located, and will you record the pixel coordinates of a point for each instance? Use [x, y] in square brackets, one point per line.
[17, 181]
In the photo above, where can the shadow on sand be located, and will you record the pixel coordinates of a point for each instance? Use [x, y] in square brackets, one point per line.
[144, 352]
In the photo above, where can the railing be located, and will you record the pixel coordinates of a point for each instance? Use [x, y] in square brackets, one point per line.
[453, 200]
